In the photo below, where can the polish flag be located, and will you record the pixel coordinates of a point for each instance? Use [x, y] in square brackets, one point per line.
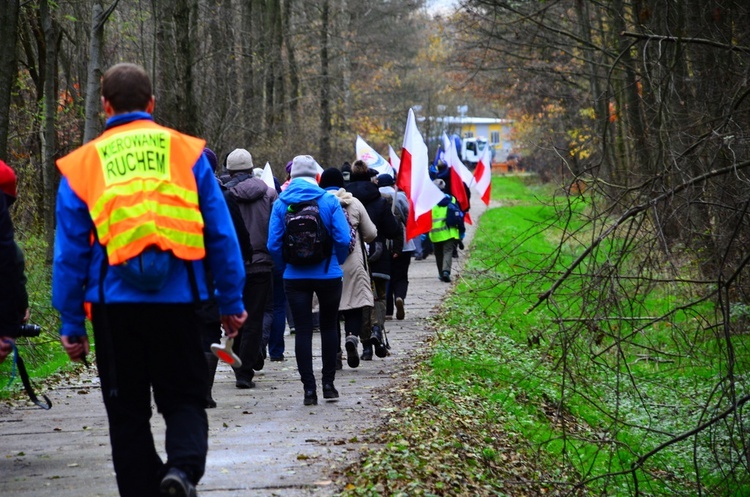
[483, 176]
[394, 159]
[414, 180]
[457, 171]
[463, 171]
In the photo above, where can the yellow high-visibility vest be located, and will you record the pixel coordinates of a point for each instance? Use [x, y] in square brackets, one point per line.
[138, 184]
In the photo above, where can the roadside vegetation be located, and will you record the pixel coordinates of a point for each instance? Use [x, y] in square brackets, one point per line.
[524, 393]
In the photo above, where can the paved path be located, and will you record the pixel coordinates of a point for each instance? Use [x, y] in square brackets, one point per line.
[262, 442]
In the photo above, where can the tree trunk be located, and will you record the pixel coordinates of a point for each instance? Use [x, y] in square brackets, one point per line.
[92, 126]
[291, 56]
[325, 88]
[48, 135]
[8, 34]
[175, 100]
[247, 62]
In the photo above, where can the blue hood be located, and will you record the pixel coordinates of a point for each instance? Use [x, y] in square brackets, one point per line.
[300, 190]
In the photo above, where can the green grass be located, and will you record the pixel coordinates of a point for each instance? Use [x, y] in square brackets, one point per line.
[561, 402]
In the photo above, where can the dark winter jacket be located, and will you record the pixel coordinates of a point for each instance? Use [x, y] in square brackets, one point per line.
[13, 298]
[255, 200]
[380, 213]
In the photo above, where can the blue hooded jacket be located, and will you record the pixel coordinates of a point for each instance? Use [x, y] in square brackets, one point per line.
[301, 190]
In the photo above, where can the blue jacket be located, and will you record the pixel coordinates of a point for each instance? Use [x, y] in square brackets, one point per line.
[77, 263]
[300, 190]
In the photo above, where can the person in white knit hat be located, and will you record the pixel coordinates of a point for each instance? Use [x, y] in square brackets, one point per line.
[305, 277]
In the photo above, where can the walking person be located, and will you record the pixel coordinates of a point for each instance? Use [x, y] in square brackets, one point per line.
[379, 254]
[254, 199]
[356, 295]
[208, 311]
[138, 209]
[311, 256]
[444, 234]
[401, 260]
[14, 300]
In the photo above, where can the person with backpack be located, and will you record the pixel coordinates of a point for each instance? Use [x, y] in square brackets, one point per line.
[447, 231]
[254, 199]
[138, 210]
[379, 255]
[309, 237]
[356, 295]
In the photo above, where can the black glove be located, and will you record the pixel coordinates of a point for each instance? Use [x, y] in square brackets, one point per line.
[461, 244]
[376, 251]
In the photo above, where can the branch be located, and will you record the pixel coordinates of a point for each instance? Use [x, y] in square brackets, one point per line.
[678, 39]
[633, 211]
[641, 460]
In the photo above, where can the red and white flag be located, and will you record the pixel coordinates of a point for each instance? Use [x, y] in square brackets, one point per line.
[483, 176]
[414, 180]
[458, 171]
[394, 159]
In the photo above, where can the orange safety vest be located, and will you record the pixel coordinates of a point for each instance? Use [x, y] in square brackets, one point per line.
[137, 181]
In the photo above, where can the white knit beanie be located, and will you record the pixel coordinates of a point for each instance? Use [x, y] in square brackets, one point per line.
[239, 160]
[304, 166]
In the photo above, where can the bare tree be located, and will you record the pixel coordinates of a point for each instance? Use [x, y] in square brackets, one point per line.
[93, 85]
[8, 38]
[665, 159]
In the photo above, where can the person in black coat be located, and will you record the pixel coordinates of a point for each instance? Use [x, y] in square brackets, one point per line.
[390, 237]
[13, 297]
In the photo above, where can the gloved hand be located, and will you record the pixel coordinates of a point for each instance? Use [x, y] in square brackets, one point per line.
[376, 251]
[461, 244]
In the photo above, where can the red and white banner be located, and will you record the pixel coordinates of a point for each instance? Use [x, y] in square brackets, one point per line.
[483, 176]
[458, 173]
[414, 180]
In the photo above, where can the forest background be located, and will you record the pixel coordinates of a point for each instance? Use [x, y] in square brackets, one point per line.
[636, 109]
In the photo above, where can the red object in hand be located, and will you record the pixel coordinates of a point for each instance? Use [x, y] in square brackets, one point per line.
[225, 353]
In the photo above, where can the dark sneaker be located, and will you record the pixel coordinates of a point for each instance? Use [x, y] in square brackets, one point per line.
[400, 308]
[330, 392]
[244, 383]
[446, 276]
[277, 359]
[377, 342]
[176, 484]
[366, 355]
[260, 363]
[352, 359]
[311, 398]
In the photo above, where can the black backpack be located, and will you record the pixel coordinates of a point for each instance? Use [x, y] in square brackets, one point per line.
[306, 239]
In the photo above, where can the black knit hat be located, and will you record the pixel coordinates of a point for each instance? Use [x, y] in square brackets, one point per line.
[331, 177]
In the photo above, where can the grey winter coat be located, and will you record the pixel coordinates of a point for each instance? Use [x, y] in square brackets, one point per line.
[356, 292]
[254, 199]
